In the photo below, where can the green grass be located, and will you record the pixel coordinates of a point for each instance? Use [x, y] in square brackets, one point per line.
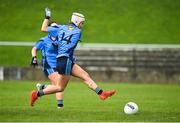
[156, 103]
[108, 21]
[16, 56]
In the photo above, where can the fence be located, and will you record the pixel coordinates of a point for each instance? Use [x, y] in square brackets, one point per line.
[126, 62]
[133, 64]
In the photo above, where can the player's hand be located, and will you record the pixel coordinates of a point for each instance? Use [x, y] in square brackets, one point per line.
[47, 13]
[34, 61]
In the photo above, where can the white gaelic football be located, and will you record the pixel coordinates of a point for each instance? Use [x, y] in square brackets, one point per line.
[131, 108]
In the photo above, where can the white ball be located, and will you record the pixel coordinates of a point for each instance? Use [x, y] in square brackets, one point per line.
[131, 108]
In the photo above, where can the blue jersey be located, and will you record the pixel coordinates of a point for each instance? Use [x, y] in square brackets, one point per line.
[68, 37]
[49, 51]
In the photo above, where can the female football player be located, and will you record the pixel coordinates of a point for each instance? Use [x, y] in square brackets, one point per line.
[48, 47]
[68, 37]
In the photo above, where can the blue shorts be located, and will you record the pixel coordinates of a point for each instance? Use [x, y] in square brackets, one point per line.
[48, 71]
[64, 65]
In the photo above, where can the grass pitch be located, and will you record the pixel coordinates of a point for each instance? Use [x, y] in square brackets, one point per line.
[107, 21]
[156, 103]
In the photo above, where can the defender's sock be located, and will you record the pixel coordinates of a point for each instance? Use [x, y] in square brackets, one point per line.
[40, 93]
[60, 103]
[98, 90]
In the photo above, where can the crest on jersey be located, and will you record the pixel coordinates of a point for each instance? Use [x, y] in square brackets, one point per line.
[71, 27]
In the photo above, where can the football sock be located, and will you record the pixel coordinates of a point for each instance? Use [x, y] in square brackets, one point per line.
[60, 103]
[40, 93]
[98, 90]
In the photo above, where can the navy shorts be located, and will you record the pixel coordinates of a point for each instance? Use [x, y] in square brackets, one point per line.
[64, 65]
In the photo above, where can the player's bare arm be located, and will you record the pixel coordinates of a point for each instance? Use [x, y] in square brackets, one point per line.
[34, 52]
[45, 23]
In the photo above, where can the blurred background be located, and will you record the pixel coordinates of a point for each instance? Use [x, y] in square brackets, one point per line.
[132, 46]
[123, 40]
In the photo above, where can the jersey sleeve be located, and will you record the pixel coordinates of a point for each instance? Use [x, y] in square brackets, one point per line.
[39, 45]
[53, 31]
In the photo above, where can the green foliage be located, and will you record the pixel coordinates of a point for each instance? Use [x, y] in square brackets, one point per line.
[108, 21]
[157, 103]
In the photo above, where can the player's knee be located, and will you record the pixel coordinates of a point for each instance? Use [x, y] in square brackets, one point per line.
[59, 89]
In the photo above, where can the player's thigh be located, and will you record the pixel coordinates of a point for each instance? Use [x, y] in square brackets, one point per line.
[63, 81]
[77, 71]
[54, 78]
[51, 74]
[59, 80]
